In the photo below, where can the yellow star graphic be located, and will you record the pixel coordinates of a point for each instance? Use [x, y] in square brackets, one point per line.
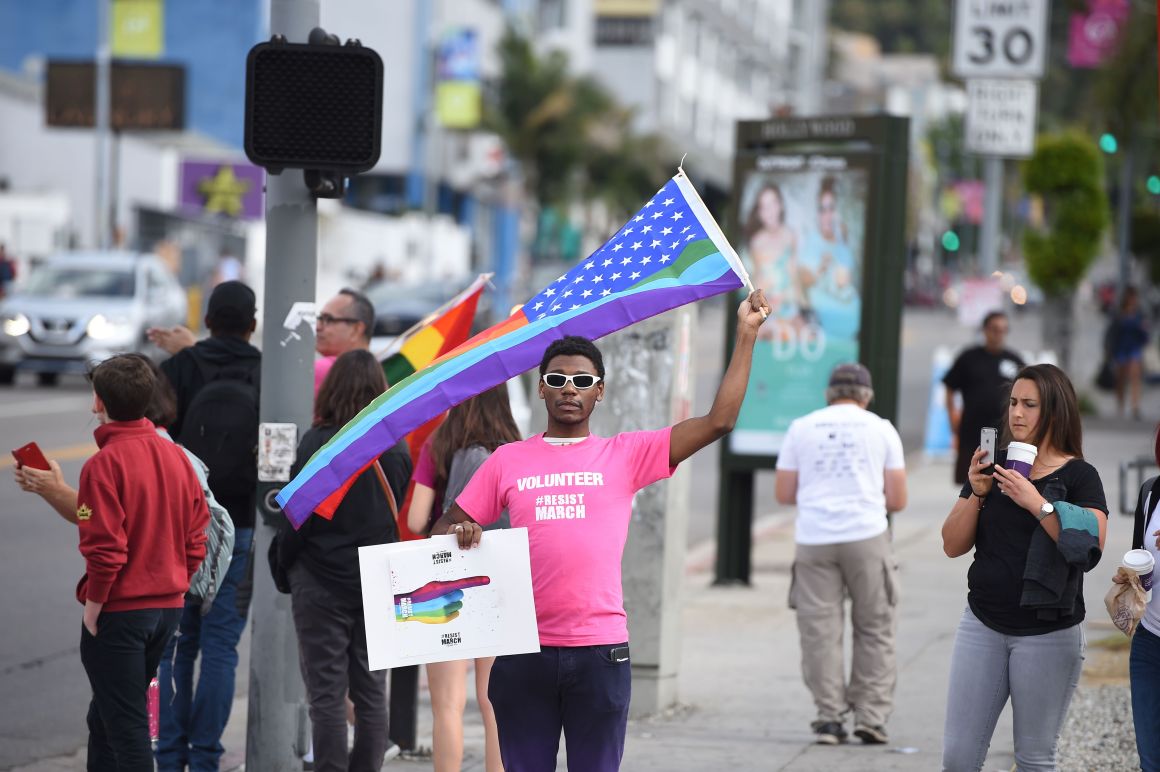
[84, 512]
[223, 192]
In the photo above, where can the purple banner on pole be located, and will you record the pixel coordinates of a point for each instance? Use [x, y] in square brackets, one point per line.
[222, 188]
[1093, 35]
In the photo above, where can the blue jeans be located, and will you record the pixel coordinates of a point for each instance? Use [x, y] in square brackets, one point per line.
[582, 690]
[1037, 673]
[192, 721]
[1144, 671]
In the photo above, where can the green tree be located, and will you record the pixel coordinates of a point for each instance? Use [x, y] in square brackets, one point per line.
[1066, 172]
[574, 142]
[900, 26]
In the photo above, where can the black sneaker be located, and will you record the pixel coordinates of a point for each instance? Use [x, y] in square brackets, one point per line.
[829, 732]
[871, 735]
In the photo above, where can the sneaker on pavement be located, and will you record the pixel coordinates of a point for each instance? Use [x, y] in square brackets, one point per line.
[871, 735]
[829, 732]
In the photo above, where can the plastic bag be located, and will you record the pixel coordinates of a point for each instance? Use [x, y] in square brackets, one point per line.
[1126, 602]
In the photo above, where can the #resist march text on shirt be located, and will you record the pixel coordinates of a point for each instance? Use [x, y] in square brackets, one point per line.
[576, 502]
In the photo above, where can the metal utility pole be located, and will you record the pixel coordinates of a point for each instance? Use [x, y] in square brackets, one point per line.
[992, 215]
[276, 729]
[101, 129]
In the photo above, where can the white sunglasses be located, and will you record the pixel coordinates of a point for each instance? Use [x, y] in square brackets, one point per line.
[580, 380]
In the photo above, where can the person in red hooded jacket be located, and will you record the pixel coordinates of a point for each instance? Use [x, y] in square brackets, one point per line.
[141, 515]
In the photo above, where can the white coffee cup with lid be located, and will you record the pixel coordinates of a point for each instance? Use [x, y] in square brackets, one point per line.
[1141, 563]
[1021, 457]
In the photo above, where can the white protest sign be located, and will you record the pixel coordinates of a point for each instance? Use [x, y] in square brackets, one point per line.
[1000, 38]
[1001, 117]
[430, 601]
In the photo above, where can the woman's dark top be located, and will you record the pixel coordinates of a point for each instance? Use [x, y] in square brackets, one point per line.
[1003, 536]
[329, 548]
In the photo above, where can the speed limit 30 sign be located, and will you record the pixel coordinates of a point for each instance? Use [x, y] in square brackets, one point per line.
[1000, 38]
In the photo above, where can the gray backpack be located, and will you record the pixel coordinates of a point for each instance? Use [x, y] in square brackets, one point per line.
[219, 543]
[464, 464]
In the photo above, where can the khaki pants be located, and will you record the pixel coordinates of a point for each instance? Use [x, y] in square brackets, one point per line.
[822, 577]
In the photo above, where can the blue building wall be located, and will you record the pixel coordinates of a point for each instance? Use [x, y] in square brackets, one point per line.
[210, 37]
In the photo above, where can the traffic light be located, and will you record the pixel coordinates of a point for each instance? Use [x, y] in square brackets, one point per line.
[950, 241]
[1153, 185]
[315, 106]
[1108, 143]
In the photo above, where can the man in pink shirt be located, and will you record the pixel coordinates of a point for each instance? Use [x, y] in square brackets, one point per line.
[573, 492]
[345, 323]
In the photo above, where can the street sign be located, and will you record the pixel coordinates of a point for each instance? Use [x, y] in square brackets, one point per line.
[1000, 38]
[144, 96]
[1001, 117]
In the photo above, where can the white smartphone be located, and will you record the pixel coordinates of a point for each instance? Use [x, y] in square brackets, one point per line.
[987, 439]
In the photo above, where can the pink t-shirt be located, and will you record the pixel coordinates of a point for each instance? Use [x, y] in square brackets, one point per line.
[425, 474]
[322, 366]
[576, 502]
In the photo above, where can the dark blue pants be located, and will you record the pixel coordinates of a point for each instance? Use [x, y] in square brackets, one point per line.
[192, 721]
[120, 661]
[1144, 670]
[580, 690]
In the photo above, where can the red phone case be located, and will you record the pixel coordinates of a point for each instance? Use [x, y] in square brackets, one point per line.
[30, 455]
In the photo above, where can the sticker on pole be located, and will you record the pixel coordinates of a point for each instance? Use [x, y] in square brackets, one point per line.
[277, 449]
[1001, 117]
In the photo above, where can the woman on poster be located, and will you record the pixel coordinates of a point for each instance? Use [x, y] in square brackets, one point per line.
[772, 246]
[827, 271]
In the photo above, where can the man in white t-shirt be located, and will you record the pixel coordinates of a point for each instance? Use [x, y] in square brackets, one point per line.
[843, 468]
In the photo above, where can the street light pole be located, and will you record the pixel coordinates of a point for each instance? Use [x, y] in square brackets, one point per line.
[276, 730]
[992, 215]
[101, 127]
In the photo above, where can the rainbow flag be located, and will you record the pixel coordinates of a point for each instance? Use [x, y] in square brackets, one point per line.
[444, 328]
[672, 252]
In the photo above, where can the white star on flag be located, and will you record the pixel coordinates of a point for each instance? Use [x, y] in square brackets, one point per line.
[646, 229]
[665, 258]
[605, 292]
[538, 306]
[550, 291]
[618, 247]
[597, 279]
[646, 260]
[666, 231]
[636, 245]
[626, 261]
[667, 201]
[586, 293]
[607, 262]
[615, 276]
[655, 215]
[634, 275]
[589, 265]
[567, 294]
[655, 243]
[678, 215]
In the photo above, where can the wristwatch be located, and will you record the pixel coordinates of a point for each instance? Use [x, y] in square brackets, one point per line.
[1045, 509]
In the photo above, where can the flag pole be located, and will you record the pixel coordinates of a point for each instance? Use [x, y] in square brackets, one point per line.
[715, 232]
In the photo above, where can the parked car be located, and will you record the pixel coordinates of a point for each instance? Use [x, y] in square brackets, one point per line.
[77, 308]
[400, 306]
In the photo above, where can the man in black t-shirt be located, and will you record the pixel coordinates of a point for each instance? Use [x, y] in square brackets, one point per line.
[983, 375]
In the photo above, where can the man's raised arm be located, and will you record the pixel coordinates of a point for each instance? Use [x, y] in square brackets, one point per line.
[692, 434]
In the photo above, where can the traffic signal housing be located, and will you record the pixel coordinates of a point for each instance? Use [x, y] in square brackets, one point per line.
[316, 106]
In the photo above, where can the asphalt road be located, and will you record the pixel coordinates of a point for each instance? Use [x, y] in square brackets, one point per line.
[43, 689]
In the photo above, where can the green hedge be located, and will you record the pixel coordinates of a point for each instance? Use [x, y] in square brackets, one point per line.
[1066, 171]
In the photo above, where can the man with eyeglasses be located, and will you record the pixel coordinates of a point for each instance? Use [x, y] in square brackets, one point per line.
[982, 374]
[344, 324]
[573, 491]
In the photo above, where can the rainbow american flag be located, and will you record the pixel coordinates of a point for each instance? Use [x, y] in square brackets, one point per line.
[672, 252]
[442, 330]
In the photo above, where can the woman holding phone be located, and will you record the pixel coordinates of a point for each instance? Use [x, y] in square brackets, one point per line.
[1021, 636]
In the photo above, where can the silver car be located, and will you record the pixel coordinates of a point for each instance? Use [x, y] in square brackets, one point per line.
[81, 307]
